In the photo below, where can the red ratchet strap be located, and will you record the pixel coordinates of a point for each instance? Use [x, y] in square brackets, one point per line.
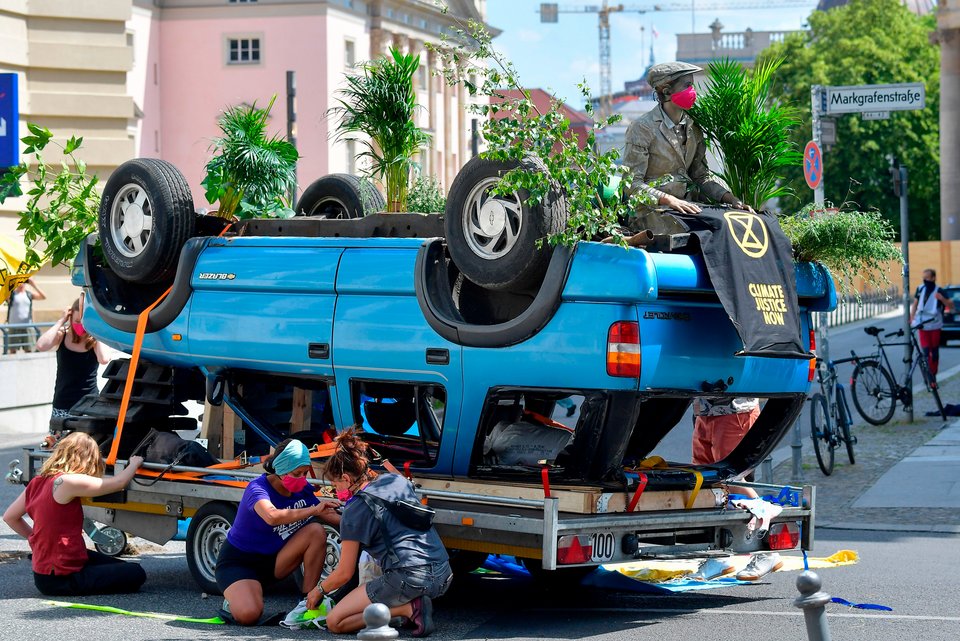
[406, 470]
[545, 476]
[641, 486]
[132, 371]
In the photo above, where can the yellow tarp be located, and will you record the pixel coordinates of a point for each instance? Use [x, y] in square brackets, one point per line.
[660, 571]
[13, 271]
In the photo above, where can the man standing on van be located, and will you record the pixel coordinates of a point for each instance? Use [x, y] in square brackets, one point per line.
[927, 308]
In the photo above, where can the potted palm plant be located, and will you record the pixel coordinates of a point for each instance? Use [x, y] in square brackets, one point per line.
[251, 172]
[380, 102]
[750, 132]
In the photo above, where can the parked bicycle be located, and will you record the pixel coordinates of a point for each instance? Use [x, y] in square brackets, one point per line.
[876, 391]
[830, 416]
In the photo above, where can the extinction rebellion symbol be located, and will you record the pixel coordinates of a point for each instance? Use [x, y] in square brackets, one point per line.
[749, 232]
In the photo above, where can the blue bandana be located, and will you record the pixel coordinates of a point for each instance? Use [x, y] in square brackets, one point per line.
[294, 455]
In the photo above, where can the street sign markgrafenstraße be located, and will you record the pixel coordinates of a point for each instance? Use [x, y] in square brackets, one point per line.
[861, 98]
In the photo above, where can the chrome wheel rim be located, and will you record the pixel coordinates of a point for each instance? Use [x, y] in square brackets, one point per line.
[332, 558]
[329, 207]
[131, 220]
[491, 224]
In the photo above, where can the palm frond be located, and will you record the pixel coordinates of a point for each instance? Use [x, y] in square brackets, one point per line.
[748, 130]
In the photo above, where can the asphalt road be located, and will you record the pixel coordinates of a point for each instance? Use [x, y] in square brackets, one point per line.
[676, 445]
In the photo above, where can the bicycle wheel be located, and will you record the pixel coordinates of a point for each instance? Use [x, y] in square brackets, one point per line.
[843, 417]
[823, 442]
[931, 384]
[873, 392]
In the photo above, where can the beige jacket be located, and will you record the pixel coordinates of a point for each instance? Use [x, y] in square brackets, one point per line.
[653, 150]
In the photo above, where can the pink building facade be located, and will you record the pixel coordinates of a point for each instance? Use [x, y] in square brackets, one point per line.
[193, 58]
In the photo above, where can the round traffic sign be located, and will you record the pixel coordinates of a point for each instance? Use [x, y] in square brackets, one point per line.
[812, 165]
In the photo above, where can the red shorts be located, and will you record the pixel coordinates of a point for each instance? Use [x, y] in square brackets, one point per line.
[714, 437]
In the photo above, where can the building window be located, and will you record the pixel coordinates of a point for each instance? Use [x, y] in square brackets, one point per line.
[349, 53]
[401, 421]
[243, 51]
[423, 24]
[422, 76]
[389, 12]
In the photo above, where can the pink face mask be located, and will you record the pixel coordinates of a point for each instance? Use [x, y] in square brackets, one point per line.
[78, 329]
[344, 495]
[294, 483]
[684, 99]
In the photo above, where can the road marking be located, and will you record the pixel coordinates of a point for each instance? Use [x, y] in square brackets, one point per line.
[798, 613]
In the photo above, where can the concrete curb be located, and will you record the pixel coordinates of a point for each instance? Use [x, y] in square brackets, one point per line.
[891, 527]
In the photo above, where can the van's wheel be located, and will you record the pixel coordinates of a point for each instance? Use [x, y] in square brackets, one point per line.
[146, 215]
[330, 562]
[340, 196]
[493, 239]
[205, 536]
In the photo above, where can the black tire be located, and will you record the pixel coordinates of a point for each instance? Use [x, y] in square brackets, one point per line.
[504, 256]
[873, 392]
[331, 561]
[845, 422]
[340, 196]
[146, 216]
[118, 542]
[205, 536]
[821, 431]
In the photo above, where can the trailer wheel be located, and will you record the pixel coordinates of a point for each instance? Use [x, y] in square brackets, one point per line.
[493, 239]
[146, 216]
[330, 562]
[117, 544]
[340, 196]
[205, 536]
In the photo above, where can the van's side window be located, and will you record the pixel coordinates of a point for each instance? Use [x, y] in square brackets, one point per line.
[401, 421]
[523, 429]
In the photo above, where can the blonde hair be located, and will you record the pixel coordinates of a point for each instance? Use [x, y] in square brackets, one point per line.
[77, 453]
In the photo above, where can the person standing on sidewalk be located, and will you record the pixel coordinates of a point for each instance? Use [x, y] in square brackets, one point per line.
[20, 312]
[927, 308]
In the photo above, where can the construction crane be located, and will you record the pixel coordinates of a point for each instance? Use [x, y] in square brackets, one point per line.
[549, 13]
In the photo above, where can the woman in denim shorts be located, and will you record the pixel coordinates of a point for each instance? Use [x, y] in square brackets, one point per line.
[415, 563]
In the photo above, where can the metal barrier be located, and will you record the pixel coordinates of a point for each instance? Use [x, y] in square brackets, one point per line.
[813, 602]
[870, 304]
[21, 336]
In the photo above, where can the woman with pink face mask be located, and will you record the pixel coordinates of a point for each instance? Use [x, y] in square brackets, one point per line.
[79, 355]
[415, 565]
[279, 525]
[666, 141]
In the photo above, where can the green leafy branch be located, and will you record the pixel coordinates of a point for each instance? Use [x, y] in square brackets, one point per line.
[851, 243]
[514, 127]
[62, 205]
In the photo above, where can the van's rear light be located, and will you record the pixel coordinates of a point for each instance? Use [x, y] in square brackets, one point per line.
[623, 349]
[574, 548]
[784, 536]
[813, 361]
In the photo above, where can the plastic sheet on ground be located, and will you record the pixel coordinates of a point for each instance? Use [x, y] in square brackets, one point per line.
[666, 577]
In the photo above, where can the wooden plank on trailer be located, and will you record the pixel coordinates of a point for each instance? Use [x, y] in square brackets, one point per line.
[212, 428]
[581, 500]
[301, 416]
[231, 423]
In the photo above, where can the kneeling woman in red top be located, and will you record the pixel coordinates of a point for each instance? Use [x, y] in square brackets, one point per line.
[62, 564]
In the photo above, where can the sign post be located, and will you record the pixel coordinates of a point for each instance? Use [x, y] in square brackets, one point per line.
[9, 121]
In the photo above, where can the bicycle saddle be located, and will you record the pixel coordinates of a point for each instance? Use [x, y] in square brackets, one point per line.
[872, 331]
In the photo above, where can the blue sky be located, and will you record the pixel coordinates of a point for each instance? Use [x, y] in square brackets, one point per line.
[557, 56]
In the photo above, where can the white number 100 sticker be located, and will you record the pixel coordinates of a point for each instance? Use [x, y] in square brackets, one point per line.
[604, 546]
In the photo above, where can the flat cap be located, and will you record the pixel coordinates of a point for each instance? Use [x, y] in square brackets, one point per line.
[667, 72]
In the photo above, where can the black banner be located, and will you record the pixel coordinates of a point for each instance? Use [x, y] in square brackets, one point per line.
[750, 262]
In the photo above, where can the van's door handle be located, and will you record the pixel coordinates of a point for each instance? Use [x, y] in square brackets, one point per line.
[318, 350]
[438, 356]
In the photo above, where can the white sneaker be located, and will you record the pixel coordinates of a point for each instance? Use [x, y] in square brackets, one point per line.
[712, 568]
[759, 566]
